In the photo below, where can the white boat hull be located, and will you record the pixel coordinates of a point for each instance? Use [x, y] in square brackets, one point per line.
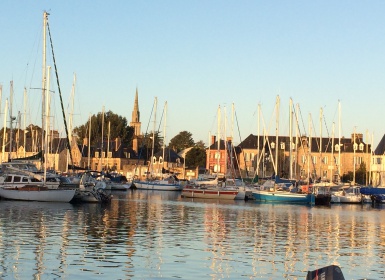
[47, 195]
[159, 186]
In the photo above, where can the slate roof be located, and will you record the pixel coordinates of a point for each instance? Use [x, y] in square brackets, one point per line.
[169, 155]
[380, 150]
[347, 145]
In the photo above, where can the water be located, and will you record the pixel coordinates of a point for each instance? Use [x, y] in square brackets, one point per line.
[153, 235]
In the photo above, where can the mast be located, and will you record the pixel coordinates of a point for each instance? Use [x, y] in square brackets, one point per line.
[44, 77]
[320, 143]
[11, 120]
[89, 145]
[309, 151]
[5, 130]
[108, 142]
[339, 140]
[258, 139]
[332, 164]
[102, 148]
[219, 140]
[71, 126]
[164, 133]
[153, 135]
[46, 114]
[291, 138]
[24, 122]
[354, 156]
[276, 136]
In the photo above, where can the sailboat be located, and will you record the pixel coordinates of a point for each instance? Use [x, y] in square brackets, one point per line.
[275, 191]
[17, 184]
[218, 189]
[170, 183]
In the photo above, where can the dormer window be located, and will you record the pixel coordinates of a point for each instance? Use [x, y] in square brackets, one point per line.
[361, 147]
[337, 147]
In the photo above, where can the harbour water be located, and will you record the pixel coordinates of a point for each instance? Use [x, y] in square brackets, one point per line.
[153, 235]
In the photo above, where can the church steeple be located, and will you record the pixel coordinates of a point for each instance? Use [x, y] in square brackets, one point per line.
[135, 121]
[135, 112]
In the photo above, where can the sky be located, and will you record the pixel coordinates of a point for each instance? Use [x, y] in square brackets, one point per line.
[201, 55]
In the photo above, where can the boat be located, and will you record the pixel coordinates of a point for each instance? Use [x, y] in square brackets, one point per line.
[331, 272]
[350, 194]
[27, 188]
[170, 183]
[323, 195]
[209, 192]
[91, 190]
[272, 192]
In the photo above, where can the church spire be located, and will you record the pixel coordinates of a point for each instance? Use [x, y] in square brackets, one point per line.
[135, 121]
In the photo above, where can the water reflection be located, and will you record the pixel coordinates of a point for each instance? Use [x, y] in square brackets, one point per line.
[153, 234]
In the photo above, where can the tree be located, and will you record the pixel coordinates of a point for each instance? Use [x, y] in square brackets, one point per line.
[118, 128]
[196, 157]
[200, 144]
[146, 145]
[181, 141]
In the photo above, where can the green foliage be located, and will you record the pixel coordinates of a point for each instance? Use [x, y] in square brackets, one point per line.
[146, 145]
[196, 157]
[181, 141]
[99, 126]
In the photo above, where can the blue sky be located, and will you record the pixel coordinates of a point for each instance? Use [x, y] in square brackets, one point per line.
[198, 55]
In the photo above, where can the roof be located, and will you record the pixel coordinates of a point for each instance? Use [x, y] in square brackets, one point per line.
[380, 150]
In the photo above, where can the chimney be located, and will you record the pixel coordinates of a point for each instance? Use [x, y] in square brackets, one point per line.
[213, 137]
[85, 141]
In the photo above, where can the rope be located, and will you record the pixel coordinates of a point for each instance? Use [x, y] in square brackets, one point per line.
[61, 99]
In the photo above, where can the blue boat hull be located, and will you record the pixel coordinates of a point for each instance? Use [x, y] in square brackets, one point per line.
[284, 197]
[372, 191]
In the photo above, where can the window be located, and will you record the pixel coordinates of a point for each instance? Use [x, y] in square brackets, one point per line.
[325, 160]
[361, 147]
[314, 160]
[96, 154]
[103, 154]
[358, 160]
[282, 145]
[303, 159]
[355, 146]
[17, 179]
[337, 147]
[217, 155]
[110, 154]
[246, 157]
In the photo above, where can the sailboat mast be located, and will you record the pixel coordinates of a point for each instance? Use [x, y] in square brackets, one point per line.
[309, 151]
[332, 163]
[46, 113]
[102, 148]
[89, 145]
[276, 135]
[320, 143]
[44, 76]
[11, 120]
[339, 140]
[354, 156]
[291, 138]
[153, 136]
[5, 130]
[219, 140]
[164, 133]
[24, 121]
[108, 142]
